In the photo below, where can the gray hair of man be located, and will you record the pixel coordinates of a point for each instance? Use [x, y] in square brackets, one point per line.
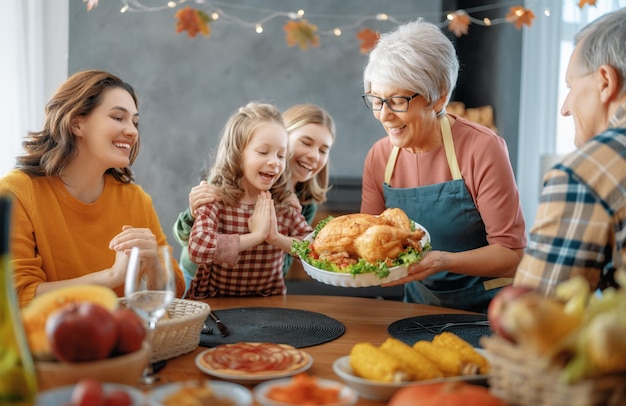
[603, 42]
[416, 56]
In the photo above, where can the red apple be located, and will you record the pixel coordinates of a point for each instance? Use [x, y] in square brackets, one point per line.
[132, 331]
[503, 298]
[88, 392]
[118, 398]
[80, 332]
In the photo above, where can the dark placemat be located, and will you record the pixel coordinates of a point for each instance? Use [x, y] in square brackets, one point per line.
[299, 328]
[417, 328]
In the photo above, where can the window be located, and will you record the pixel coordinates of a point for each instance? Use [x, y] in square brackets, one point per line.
[544, 134]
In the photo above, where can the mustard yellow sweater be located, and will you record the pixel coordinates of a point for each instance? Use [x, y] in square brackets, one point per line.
[56, 237]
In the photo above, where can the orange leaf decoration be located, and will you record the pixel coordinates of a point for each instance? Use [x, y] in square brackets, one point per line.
[91, 4]
[459, 23]
[581, 3]
[519, 16]
[368, 38]
[301, 33]
[193, 21]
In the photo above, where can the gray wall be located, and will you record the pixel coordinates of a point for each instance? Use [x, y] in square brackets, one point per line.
[189, 86]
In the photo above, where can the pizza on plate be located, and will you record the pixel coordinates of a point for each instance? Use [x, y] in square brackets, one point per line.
[246, 358]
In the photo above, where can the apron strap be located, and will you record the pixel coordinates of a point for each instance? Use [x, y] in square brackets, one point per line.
[448, 145]
[391, 163]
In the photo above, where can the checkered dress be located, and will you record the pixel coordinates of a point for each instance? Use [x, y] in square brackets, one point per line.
[222, 269]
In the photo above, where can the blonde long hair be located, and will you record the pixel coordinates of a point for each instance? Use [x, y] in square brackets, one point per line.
[227, 171]
[297, 116]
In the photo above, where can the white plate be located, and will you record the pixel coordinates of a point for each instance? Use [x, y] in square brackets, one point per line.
[63, 394]
[248, 379]
[227, 390]
[384, 391]
[360, 280]
[347, 395]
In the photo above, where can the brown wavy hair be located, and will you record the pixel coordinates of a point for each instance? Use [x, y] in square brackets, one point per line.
[49, 151]
[227, 171]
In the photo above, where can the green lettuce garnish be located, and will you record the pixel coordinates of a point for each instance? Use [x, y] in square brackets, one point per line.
[381, 268]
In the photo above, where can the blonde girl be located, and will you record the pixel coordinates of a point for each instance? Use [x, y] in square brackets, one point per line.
[239, 241]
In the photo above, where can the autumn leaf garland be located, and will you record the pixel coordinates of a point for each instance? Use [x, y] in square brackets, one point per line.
[193, 21]
[304, 34]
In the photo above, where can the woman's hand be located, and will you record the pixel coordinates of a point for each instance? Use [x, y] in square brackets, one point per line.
[202, 194]
[130, 237]
[118, 270]
[431, 263]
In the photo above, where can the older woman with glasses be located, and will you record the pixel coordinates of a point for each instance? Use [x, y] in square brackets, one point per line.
[450, 175]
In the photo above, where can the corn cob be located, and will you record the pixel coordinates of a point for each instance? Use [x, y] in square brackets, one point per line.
[467, 353]
[418, 366]
[370, 362]
[447, 359]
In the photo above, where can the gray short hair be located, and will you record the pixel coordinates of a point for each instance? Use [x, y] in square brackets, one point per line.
[603, 42]
[416, 56]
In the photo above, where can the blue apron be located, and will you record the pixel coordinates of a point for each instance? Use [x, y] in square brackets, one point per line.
[448, 212]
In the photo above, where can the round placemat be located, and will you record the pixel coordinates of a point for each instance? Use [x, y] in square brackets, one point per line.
[413, 329]
[298, 328]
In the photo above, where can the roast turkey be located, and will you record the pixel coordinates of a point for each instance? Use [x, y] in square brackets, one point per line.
[347, 238]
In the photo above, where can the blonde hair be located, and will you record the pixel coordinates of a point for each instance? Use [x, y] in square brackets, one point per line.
[227, 171]
[297, 116]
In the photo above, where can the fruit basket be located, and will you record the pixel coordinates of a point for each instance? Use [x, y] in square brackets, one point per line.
[521, 380]
[178, 332]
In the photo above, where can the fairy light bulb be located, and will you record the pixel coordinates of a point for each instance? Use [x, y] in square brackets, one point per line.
[214, 16]
[300, 13]
[487, 21]
[258, 28]
[546, 12]
[124, 9]
[382, 17]
[337, 32]
[171, 4]
[450, 17]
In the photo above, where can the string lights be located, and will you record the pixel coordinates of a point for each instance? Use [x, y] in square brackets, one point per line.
[195, 16]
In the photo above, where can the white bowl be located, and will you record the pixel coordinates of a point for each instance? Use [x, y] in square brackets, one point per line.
[63, 395]
[367, 389]
[347, 395]
[361, 280]
[240, 395]
[381, 391]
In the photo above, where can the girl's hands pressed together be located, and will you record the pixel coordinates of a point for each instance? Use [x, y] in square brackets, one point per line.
[259, 222]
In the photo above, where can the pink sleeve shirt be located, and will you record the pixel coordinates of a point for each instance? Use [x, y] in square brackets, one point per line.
[484, 163]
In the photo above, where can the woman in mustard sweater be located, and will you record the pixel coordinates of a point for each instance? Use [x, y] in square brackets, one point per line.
[76, 209]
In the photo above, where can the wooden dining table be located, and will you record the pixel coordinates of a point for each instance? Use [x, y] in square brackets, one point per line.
[365, 320]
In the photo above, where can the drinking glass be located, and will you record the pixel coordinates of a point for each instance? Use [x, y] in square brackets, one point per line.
[149, 289]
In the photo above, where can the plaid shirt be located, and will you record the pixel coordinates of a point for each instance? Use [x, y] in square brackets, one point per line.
[222, 269]
[580, 228]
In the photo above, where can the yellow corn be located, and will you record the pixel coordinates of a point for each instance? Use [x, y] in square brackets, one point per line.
[370, 362]
[467, 353]
[418, 366]
[447, 359]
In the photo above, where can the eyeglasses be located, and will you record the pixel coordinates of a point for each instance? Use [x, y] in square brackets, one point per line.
[398, 104]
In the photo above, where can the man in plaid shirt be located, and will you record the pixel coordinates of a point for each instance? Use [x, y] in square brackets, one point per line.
[580, 228]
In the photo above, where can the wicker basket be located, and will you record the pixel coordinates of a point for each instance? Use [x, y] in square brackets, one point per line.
[521, 380]
[178, 332]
